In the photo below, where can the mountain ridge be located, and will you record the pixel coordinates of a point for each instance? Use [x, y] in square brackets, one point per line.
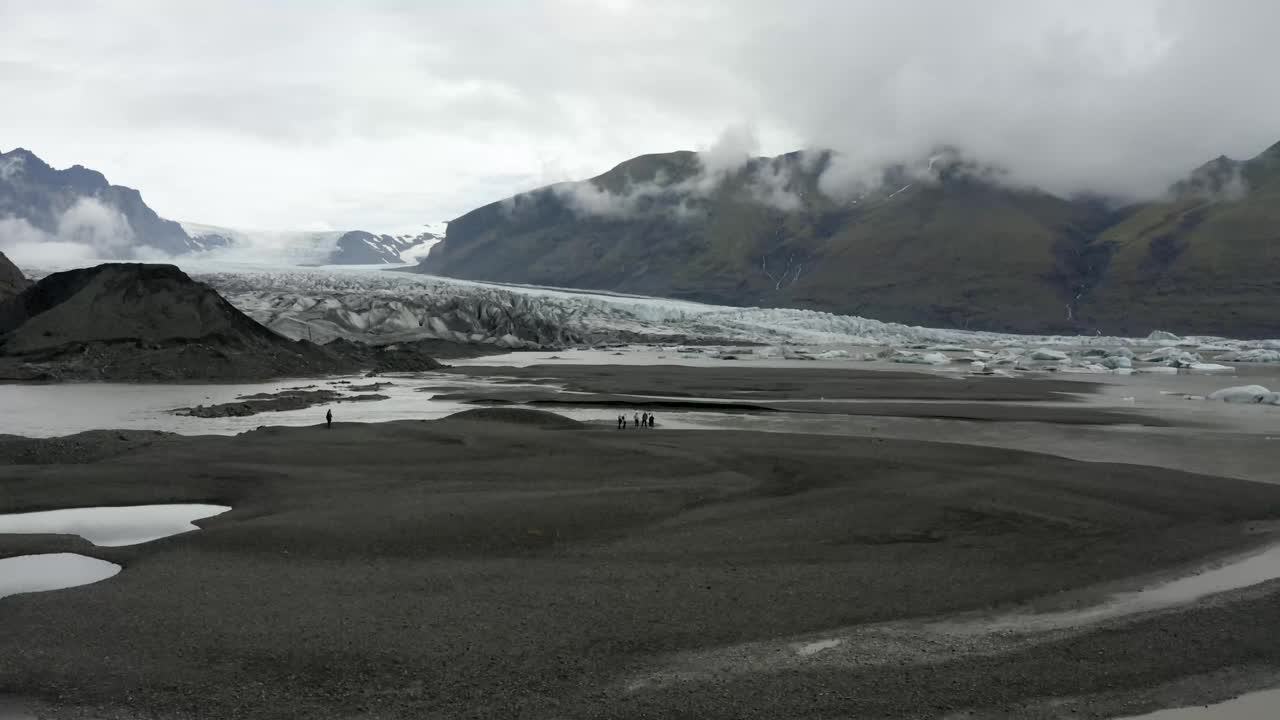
[78, 204]
[944, 244]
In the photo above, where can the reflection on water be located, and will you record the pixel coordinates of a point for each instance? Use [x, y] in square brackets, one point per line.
[52, 571]
[1254, 706]
[1241, 573]
[53, 410]
[112, 526]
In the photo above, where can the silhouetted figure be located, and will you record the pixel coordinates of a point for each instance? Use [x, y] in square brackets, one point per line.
[328, 419]
[636, 418]
[644, 420]
[621, 421]
[650, 419]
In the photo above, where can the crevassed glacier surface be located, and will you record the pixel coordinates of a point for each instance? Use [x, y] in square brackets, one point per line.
[326, 303]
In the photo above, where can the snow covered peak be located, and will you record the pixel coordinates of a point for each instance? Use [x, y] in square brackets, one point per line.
[330, 247]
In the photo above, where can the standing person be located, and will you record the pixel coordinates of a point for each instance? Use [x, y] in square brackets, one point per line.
[328, 419]
[651, 420]
[644, 420]
[636, 417]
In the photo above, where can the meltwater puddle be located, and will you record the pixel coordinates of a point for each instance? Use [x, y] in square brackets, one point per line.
[1243, 572]
[52, 571]
[910, 642]
[112, 526]
[1253, 706]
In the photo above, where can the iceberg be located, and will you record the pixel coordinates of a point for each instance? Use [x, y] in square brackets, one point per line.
[1246, 394]
[1259, 355]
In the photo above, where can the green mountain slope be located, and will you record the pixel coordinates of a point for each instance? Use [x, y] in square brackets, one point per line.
[1203, 261]
[948, 246]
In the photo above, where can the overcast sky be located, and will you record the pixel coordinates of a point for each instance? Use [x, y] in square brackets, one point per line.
[279, 114]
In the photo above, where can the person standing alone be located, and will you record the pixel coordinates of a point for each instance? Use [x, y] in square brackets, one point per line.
[328, 419]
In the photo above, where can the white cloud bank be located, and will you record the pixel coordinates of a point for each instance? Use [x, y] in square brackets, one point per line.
[87, 231]
[386, 114]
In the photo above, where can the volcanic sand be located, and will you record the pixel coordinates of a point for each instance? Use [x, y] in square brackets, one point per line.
[511, 563]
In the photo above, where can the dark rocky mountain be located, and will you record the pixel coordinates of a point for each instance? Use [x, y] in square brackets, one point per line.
[944, 244]
[12, 280]
[355, 247]
[79, 205]
[365, 248]
[125, 321]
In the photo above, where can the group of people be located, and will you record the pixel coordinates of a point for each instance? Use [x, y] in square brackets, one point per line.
[638, 420]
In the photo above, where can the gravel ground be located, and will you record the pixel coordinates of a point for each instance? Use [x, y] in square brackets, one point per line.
[507, 564]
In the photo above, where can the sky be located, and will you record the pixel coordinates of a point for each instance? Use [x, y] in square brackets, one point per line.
[384, 115]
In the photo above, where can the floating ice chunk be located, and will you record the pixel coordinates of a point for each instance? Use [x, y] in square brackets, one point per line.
[1158, 370]
[1047, 355]
[1116, 362]
[1209, 368]
[1260, 355]
[1120, 352]
[1251, 394]
[832, 355]
[1090, 368]
[914, 358]
[1170, 355]
[1161, 336]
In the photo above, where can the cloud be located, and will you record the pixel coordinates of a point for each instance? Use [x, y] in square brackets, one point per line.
[458, 104]
[733, 155]
[85, 232]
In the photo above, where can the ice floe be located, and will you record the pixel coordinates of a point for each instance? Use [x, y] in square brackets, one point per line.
[1246, 394]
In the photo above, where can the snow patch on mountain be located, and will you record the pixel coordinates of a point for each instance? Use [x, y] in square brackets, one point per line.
[328, 247]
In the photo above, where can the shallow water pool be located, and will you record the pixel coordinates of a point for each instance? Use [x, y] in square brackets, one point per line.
[112, 526]
[51, 571]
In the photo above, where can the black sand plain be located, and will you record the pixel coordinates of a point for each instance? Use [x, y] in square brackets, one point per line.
[508, 563]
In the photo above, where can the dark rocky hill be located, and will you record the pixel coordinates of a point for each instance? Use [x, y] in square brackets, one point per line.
[153, 322]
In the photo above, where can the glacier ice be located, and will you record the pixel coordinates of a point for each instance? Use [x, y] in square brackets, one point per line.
[1258, 355]
[324, 303]
[915, 358]
[1047, 355]
[1247, 394]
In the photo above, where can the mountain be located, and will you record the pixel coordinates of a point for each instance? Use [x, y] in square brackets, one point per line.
[129, 321]
[12, 281]
[947, 242]
[365, 248]
[78, 205]
[1205, 260]
[325, 247]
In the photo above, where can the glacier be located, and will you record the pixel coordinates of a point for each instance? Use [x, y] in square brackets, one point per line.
[371, 304]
